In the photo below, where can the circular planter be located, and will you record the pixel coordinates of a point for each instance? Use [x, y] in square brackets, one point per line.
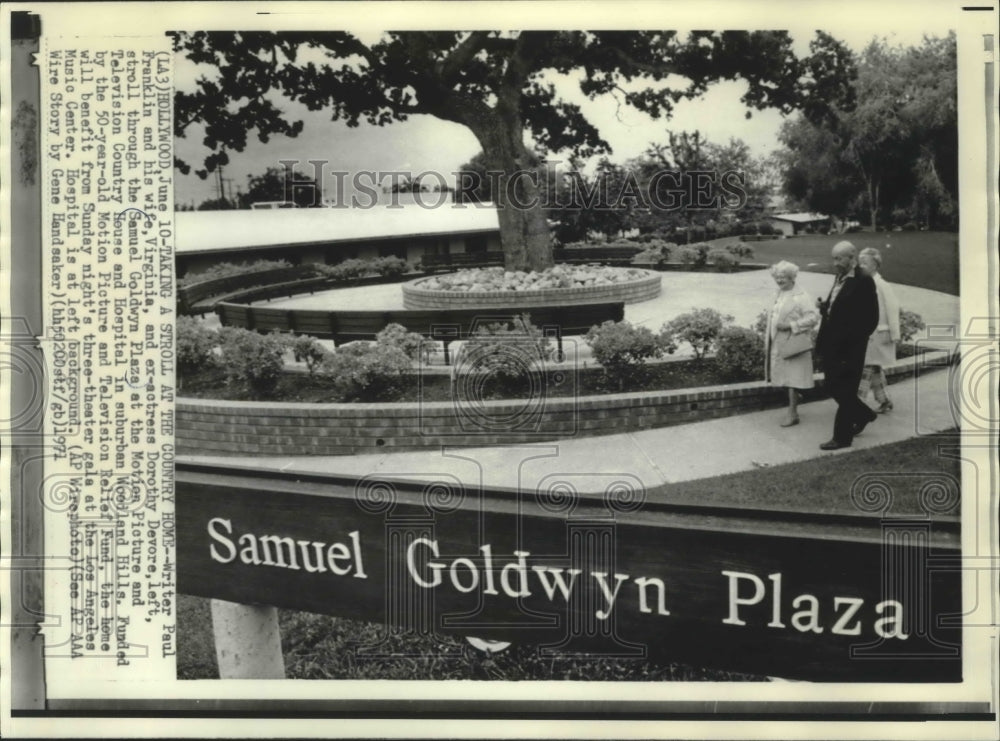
[647, 287]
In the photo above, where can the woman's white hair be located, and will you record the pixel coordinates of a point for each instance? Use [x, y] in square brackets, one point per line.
[785, 268]
[873, 253]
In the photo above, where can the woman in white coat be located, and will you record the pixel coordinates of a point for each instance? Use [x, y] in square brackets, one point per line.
[882, 343]
[789, 338]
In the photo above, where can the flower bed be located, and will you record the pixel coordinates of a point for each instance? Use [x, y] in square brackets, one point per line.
[563, 410]
[559, 285]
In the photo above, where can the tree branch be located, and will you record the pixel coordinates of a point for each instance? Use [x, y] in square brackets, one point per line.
[528, 46]
[647, 68]
[180, 127]
[461, 55]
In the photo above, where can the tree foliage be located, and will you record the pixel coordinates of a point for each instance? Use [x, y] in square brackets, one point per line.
[495, 83]
[282, 184]
[893, 156]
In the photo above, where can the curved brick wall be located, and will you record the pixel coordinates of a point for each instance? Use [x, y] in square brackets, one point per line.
[209, 427]
[633, 292]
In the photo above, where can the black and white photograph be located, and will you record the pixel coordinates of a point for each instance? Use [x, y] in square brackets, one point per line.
[530, 363]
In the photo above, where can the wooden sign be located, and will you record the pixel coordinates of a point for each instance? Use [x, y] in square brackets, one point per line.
[817, 597]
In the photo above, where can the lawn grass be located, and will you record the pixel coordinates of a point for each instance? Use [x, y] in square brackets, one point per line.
[325, 647]
[921, 259]
[322, 647]
[823, 485]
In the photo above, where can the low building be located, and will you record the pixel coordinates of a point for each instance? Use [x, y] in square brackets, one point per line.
[331, 235]
[798, 223]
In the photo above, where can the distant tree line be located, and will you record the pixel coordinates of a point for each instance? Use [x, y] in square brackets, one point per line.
[684, 189]
[891, 160]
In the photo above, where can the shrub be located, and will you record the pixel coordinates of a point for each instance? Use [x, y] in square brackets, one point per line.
[390, 266]
[722, 259]
[731, 229]
[361, 371]
[695, 255]
[656, 252]
[506, 353]
[623, 349]
[349, 269]
[659, 234]
[224, 269]
[688, 255]
[307, 349]
[411, 343]
[252, 361]
[740, 353]
[900, 216]
[624, 242]
[760, 323]
[740, 250]
[910, 323]
[354, 268]
[700, 328]
[196, 345]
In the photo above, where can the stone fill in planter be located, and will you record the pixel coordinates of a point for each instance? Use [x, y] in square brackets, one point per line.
[494, 288]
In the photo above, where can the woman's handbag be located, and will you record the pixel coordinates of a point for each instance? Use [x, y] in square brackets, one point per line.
[797, 344]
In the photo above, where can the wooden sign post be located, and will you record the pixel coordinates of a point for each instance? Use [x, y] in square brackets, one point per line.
[825, 597]
[247, 641]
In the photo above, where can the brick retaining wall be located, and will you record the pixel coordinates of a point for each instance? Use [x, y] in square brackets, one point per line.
[211, 427]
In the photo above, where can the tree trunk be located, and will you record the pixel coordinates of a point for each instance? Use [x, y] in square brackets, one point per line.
[873, 202]
[524, 230]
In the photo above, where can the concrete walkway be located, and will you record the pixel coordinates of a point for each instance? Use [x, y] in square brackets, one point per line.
[923, 405]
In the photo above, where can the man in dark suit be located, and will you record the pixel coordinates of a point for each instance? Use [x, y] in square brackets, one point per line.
[850, 315]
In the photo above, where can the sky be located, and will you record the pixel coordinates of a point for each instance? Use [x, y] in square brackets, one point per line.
[425, 143]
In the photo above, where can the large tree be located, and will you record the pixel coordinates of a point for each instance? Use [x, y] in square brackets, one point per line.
[895, 151]
[816, 174]
[690, 152]
[494, 83]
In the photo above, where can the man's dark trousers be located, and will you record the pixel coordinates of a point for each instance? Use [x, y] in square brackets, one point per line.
[842, 343]
[842, 380]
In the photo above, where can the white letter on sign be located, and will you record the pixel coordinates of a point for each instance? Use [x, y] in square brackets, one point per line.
[609, 595]
[735, 600]
[412, 567]
[222, 539]
[853, 605]
[521, 569]
[812, 613]
[642, 582]
[895, 619]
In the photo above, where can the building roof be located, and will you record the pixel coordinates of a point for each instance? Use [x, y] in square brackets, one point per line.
[217, 231]
[800, 218]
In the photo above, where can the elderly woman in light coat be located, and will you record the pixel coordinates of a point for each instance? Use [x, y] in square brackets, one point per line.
[790, 325]
[882, 343]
